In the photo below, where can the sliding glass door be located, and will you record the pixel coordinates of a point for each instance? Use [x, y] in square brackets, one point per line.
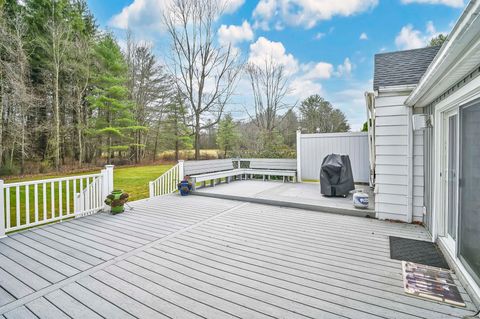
[469, 191]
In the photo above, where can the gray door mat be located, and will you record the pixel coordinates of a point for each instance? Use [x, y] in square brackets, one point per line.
[417, 251]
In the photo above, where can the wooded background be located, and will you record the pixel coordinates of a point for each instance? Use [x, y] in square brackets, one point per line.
[71, 97]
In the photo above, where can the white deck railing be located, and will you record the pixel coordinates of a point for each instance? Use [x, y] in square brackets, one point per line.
[33, 203]
[167, 182]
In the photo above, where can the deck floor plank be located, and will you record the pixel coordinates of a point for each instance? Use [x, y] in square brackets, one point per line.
[104, 307]
[41, 256]
[70, 306]
[202, 257]
[73, 265]
[23, 274]
[13, 286]
[139, 278]
[169, 309]
[20, 313]
[62, 246]
[5, 297]
[128, 304]
[31, 264]
[44, 309]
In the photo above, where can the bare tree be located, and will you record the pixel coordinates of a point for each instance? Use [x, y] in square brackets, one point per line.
[269, 83]
[205, 71]
[150, 89]
[16, 90]
[57, 44]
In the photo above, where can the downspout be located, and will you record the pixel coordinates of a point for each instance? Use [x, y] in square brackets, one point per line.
[410, 167]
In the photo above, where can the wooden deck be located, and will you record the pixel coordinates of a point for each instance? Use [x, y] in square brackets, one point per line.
[198, 257]
[293, 195]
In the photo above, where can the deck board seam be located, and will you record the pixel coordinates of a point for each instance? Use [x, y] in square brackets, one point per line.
[41, 253]
[66, 245]
[41, 292]
[206, 292]
[280, 279]
[302, 303]
[160, 297]
[29, 270]
[119, 291]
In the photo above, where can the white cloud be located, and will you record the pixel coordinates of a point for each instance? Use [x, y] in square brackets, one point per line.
[307, 13]
[363, 36]
[234, 34]
[148, 13]
[352, 102]
[321, 70]
[345, 69]
[319, 35]
[410, 38]
[302, 88]
[145, 13]
[450, 3]
[264, 49]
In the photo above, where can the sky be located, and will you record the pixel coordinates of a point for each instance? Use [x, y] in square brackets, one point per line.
[326, 46]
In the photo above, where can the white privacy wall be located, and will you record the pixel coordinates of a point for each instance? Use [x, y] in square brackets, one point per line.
[314, 148]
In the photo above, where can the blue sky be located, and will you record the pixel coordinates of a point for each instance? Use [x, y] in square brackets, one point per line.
[327, 45]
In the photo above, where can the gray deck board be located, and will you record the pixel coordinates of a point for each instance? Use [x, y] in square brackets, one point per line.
[42, 257]
[20, 313]
[31, 264]
[70, 305]
[23, 274]
[120, 299]
[103, 307]
[5, 297]
[70, 265]
[62, 246]
[200, 257]
[43, 308]
[169, 309]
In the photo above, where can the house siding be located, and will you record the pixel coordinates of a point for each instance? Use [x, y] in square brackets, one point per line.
[391, 199]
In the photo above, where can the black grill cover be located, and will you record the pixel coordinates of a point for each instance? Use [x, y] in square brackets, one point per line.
[336, 177]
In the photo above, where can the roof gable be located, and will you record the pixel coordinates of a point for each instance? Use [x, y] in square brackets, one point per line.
[402, 67]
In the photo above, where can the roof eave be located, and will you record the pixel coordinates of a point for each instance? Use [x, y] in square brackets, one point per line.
[451, 49]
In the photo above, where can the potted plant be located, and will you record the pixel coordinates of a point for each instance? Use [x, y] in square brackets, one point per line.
[117, 200]
[184, 187]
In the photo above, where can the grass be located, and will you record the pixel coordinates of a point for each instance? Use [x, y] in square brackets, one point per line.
[133, 180]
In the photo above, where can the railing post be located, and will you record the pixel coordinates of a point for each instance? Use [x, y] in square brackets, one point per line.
[109, 169]
[151, 189]
[299, 157]
[2, 209]
[104, 185]
[181, 171]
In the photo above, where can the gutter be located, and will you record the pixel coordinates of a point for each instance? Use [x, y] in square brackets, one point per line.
[448, 54]
[410, 167]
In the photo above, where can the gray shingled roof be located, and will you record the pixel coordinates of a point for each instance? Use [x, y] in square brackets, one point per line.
[402, 67]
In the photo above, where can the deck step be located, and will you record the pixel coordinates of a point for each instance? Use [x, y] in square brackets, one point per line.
[275, 202]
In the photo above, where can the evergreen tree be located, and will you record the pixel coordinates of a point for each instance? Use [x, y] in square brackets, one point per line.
[109, 99]
[227, 137]
[176, 133]
[319, 115]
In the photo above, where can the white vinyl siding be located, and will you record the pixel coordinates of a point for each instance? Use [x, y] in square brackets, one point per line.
[391, 146]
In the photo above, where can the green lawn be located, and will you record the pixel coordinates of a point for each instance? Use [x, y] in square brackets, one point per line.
[133, 180]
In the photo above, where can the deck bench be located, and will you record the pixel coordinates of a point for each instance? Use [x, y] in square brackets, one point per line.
[267, 167]
[213, 170]
[210, 170]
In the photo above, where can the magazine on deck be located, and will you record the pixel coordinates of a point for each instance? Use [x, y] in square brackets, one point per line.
[431, 283]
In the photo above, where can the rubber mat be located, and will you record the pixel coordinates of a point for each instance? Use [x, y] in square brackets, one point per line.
[417, 251]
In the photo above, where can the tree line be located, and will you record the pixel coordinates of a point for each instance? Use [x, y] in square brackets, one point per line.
[70, 96]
